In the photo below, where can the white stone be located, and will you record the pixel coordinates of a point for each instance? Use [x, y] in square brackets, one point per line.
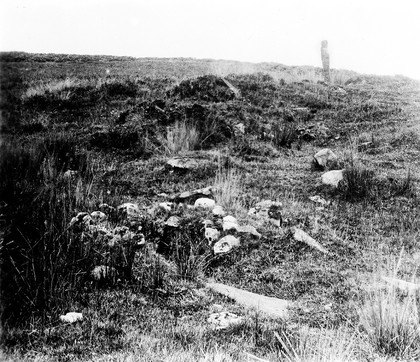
[204, 202]
[226, 244]
[223, 320]
[130, 208]
[218, 211]
[98, 216]
[319, 200]
[184, 163]
[166, 206]
[70, 174]
[211, 234]
[249, 229]
[173, 221]
[332, 178]
[230, 223]
[239, 128]
[301, 236]
[325, 157]
[71, 317]
[103, 272]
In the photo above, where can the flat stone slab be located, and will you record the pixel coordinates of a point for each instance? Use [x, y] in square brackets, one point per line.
[272, 306]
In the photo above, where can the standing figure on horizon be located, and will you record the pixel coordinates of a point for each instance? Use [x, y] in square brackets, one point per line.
[325, 56]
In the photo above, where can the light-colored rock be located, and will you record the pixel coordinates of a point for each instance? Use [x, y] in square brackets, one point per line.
[301, 236]
[70, 174]
[106, 208]
[98, 216]
[205, 203]
[223, 320]
[249, 229]
[211, 234]
[81, 217]
[206, 191]
[226, 244]
[166, 206]
[239, 128]
[230, 223]
[102, 272]
[269, 305]
[218, 211]
[183, 163]
[129, 208]
[332, 178]
[319, 200]
[71, 317]
[207, 223]
[325, 158]
[402, 284]
[173, 221]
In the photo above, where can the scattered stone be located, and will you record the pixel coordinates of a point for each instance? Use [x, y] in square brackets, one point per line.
[230, 223]
[204, 192]
[211, 235]
[207, 223]
[226, 244]
[319, 200]
[98, 216]
[239, 128]
[249, 229]
[106, 208]
[71, 317]
[70, 174]
[325, 158]
[332, 178]
[173, 221]
[166, 206]
[130, 209]
[402, 284]
[301, 236]
[81, 217]
[204, 203]
[328, 306]
[103, 272]
[223, 320]
[268, 210]
[183, 163]
[219, 211]
[269, 305]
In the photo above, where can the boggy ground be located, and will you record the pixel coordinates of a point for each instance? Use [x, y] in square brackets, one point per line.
[118, 120]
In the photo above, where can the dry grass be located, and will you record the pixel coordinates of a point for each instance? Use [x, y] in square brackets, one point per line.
[228, 191]
[180, 138]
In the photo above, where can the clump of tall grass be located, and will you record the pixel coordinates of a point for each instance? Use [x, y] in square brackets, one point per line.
[62, 88]
[42, 262]
[227, 190]
[390, 319]
[180, 138]
[323, 345]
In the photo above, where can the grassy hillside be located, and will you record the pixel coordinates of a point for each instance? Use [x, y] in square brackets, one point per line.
[79, 132]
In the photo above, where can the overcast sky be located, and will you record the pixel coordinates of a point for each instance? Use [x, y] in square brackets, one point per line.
[368, 36]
